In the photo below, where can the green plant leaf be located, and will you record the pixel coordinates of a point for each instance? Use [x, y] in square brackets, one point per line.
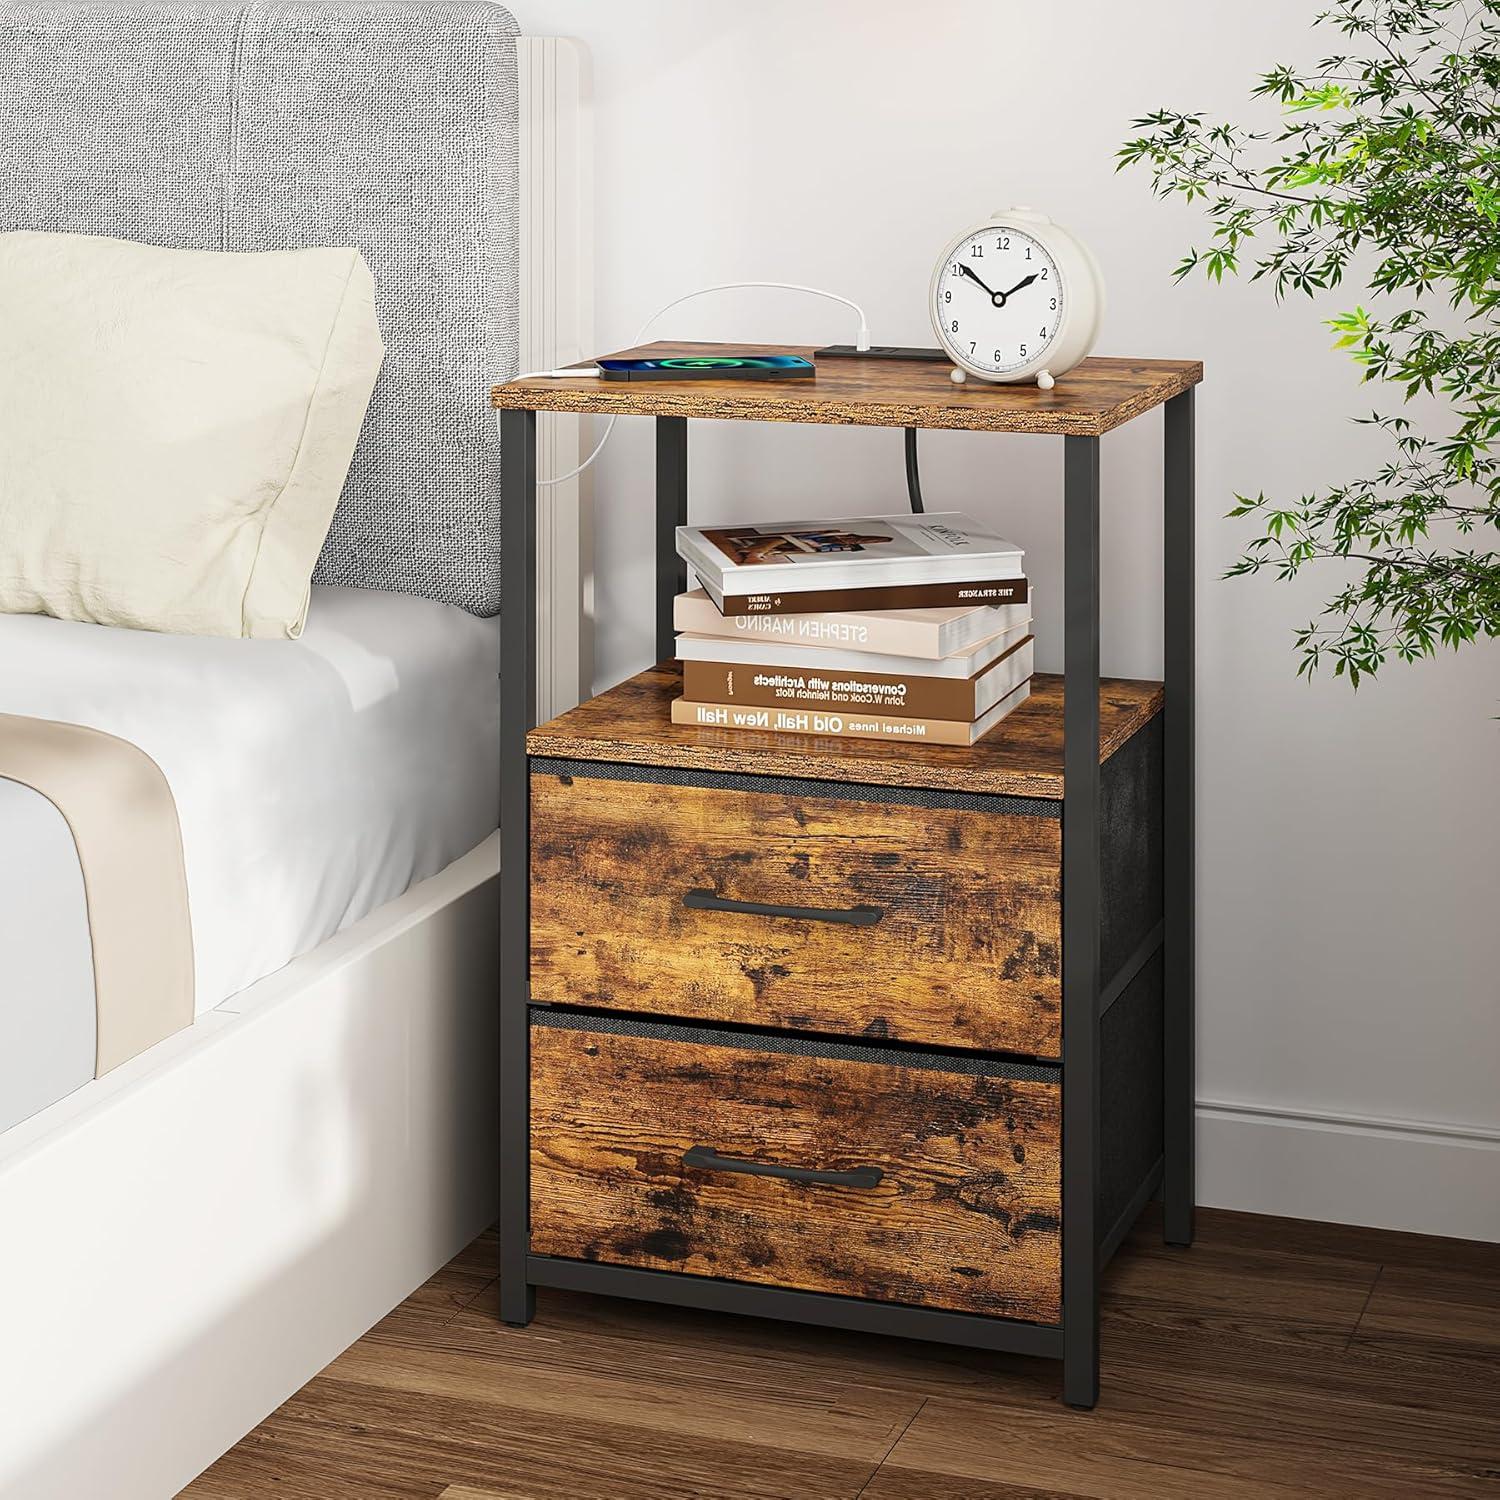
[1387, 162]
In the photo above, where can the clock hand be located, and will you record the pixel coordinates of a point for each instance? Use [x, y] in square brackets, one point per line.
[974, 277]
[997, 298]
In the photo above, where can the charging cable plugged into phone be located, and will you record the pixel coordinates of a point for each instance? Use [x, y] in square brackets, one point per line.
[862, 341]
[740, 367]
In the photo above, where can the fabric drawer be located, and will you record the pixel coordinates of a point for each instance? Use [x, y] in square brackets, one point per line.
[911, 1178]
[904, 916]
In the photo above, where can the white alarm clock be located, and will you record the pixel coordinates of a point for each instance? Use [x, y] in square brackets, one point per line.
[1016, 298]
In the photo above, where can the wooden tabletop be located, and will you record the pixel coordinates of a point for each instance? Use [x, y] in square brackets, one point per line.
[1022, 756]
[1098, 395]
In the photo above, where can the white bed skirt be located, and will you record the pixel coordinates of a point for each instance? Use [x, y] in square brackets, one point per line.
[190, 1239]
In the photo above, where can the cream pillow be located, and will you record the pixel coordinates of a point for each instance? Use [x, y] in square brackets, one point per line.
[175, 428]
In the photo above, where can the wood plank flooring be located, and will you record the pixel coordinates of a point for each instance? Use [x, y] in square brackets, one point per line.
[1276, 1358]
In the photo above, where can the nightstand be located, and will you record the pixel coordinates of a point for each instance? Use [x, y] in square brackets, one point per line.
[880, 1036]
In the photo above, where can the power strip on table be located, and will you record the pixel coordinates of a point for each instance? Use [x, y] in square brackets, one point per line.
[883, 351]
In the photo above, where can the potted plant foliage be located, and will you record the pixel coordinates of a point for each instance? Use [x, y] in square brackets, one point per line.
[1386, 165]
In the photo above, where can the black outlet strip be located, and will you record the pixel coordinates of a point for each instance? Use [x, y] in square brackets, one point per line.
[884, 351]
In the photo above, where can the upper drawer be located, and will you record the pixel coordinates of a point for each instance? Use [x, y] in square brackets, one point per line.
[906, 915]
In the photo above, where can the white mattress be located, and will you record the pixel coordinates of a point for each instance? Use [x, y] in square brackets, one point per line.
[314, 779]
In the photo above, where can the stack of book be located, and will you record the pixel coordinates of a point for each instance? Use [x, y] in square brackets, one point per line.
[886, 627]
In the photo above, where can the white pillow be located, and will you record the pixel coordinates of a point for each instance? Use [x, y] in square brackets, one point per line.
[175, 428]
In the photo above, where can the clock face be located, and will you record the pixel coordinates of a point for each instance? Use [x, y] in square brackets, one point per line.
[998, 300]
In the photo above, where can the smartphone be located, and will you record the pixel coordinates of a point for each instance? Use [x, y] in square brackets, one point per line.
[710, 367]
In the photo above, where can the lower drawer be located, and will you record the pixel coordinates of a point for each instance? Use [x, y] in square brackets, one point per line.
[922, 1179]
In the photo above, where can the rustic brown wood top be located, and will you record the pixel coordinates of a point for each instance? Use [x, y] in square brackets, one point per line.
[1021, 757]
[1098, 395]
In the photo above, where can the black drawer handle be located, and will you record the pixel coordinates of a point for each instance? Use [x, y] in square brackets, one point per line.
[706, 1159]
[851, 916]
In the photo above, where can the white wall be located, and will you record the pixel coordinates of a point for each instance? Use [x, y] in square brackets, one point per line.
[1349, 947]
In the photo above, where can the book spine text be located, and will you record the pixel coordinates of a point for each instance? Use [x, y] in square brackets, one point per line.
[908, 596]
[863, 726]
[854, 692]
[855, 632]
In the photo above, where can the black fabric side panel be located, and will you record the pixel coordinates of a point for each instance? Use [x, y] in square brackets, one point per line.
[1130, 797]
[1130, 1106]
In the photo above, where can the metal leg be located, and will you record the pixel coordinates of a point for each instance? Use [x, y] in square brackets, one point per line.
[517, 714]
[1178, 576]
[671, 512]
[1080, 921]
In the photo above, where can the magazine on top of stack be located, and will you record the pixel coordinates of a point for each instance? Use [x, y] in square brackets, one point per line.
[909, 628]
[869, 562]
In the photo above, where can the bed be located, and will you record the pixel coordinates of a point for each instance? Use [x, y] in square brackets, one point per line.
[247, 1114]
[311, 781]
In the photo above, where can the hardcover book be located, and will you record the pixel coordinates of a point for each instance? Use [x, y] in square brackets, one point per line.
[854, 692]
[787, 657]
[870, 562]
[927, 633]
[858, 725]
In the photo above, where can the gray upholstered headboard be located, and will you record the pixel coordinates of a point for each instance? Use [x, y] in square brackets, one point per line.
[281, 123]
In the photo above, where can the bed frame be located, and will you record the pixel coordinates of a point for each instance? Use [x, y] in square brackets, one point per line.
[190, 1238]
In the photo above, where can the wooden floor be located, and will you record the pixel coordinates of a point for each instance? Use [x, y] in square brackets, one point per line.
[1275, 1358]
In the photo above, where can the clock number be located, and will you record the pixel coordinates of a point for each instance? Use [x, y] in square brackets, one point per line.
[971, 348]
[1028, 252]
[998, 357]
[955, 325]
[976, 252]
[953, 270]
[1042, 334]
[1043, 273]
[1053, 304]
[1003, 243]
[1023, 351]
[947, 296]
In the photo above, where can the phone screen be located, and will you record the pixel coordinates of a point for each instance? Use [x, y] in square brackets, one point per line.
[786, 362]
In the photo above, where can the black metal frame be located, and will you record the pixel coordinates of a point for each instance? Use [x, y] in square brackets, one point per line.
[671, 512]
[1086, 1245]
[1080, 921]
[517, 718]
[713, 1294]
[1178, 612]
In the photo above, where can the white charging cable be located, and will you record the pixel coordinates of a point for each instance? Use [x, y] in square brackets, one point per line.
[861, 342]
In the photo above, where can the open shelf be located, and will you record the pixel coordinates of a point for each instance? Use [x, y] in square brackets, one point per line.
[1021, 757]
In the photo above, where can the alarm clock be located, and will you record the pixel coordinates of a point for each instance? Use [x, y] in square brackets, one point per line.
[1016, 298]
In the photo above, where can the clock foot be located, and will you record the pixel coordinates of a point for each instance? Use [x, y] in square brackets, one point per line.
[1045, 380]
[957, 376]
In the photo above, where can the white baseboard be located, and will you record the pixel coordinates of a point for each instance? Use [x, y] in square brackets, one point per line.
[1423, 1177]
